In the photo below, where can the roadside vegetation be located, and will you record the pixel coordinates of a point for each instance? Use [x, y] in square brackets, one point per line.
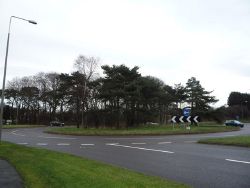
[20, 126]
[233, 141]
[145, 130]
[121, 97]
[41, 168]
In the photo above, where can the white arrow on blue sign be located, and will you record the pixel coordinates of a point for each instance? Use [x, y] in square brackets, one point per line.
[186, 111]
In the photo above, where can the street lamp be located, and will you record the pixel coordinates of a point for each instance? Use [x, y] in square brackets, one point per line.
[241, 104]
[5, 68]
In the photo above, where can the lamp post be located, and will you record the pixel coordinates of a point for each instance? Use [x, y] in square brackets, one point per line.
[5, 68]
[242, 111]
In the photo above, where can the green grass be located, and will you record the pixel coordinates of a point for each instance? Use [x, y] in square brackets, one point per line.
[20, 126]
[234, 141]
[144, 130]
[41, 168]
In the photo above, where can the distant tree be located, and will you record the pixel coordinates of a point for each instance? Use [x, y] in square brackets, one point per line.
[14, 86]
[155, 98]
[237, 98]
[51, 94]
[120, 92]
[198, 98]
[29, 98]
[86, 66]
[239, 103]
[180, 94]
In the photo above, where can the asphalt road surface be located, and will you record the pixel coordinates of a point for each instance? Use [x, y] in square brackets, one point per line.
[178, 158]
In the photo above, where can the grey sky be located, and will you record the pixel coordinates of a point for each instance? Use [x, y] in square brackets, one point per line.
[172, 40]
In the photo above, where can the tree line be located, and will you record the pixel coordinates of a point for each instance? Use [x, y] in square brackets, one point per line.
[238, 105]
[120, 98]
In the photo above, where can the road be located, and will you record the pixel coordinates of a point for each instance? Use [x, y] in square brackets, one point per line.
[178, 158]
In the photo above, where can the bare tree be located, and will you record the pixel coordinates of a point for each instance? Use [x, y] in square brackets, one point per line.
[86, 66]
[15, 85]
[42, 84]
[53, 83]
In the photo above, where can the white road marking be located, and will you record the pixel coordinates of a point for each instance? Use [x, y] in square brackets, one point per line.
[147, 149]
[246, 162]
[138, 143]
[63, 144]
[164, 142]
[87, 144]
[230, 135]
[22, 143]
[14, 132]
[42, 144]
[52, 137]
[111, 143]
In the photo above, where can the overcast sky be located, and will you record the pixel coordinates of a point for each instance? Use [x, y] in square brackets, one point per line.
[170, 39]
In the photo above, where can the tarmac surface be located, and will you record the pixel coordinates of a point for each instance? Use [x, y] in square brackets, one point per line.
[9, 177]
[176, 157]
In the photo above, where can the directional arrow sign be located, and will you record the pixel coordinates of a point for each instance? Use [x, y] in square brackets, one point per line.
[196, 119]
[181, 119]
[173, 119]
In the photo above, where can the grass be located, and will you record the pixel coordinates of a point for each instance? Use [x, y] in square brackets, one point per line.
[144, 130]
[20, 126]
[243, 141]
[41, 168]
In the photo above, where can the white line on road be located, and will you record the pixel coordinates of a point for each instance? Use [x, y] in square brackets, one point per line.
[138, 143]
[163, 151]
[42, 144]
[164, 142]
[230, 135]
[63, 144]
[246, 162]
[52, 137]
[14, 132]
[22, 143]
[111, 143]
[87, 144]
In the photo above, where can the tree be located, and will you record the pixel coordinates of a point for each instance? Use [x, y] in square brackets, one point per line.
[155, 98]
[120, 92]
[87, 67]
[29, 97]
[198, 98]
[179, 94]
[14, 86]
[51, 94]
[240, 101]
[237, 98]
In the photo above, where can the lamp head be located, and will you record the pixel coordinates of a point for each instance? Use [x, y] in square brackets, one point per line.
[32, 21]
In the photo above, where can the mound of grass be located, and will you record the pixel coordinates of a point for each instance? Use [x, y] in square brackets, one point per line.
[41, 168]
[143, 130]
[233, 141]
[20, 126]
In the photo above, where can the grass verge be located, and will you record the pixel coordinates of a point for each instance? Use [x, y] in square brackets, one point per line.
[41, 168]
[20, 126]
[243, 141]
[143, 130]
